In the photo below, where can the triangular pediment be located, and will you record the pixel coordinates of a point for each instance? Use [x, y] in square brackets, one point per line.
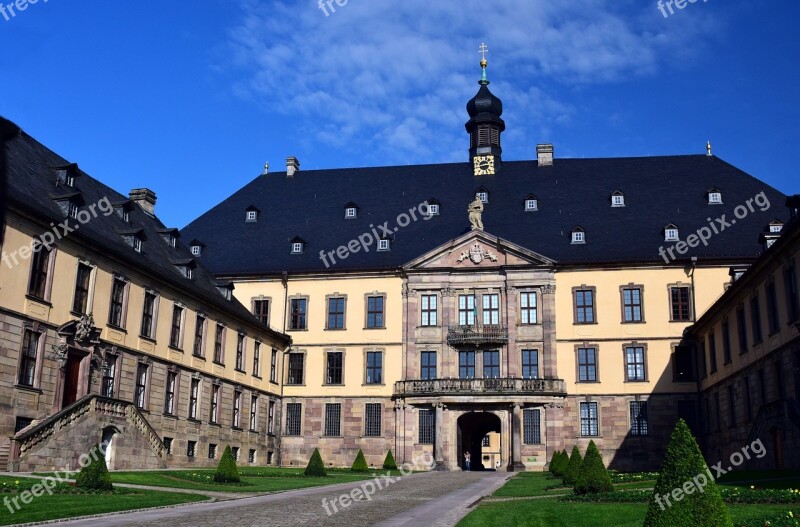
[478, 249]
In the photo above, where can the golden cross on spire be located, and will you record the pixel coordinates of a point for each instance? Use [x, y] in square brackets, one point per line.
[483, 50]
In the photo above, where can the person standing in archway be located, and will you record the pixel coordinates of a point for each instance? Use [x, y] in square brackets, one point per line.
[467, 460]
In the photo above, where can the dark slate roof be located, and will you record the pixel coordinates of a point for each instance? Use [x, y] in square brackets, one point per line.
[31, 187]
[574, 192]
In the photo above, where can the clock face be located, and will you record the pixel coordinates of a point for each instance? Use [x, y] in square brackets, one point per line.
[483, 165]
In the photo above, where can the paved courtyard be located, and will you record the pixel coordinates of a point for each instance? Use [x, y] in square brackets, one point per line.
[435, 499]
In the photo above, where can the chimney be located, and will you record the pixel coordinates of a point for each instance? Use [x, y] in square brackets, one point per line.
[145, 198]
[544, 154]
[292, 166]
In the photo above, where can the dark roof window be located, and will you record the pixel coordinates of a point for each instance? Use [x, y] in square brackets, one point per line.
[298, 245]
[196, 247]
[617, 199]
[69, 203]
[351, 211]
[483, 193]
[531, 203]
[134, 238]
[671, 233]
[170, 236]
[578, 236]
[251, 214]
[65, 175]
[714, 196]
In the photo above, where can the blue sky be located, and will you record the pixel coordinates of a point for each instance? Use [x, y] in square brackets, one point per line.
[191, 98]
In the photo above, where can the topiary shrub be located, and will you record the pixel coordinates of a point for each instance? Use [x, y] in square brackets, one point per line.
[360, 464]
[684, 469]
[573, 467]
[553, 462]
[227, 471]
[315, 467]
[389, 463]
[561, 464]
[593, 476]
[94, 476]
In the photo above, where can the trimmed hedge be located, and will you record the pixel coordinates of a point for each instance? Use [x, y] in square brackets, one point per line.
[315, 467]
[684, 463]
[593, 476]
[573, 467]
[389, 463]
[227, 471]
[94, 476]
[559, 464]
[360, 463]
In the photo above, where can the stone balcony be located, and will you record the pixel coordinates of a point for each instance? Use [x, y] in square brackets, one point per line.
[477, 336]
[473, 387]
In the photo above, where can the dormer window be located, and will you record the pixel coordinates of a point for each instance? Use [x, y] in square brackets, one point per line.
[134, 238]
[72, 210]
[186, 267]
[196, 247]
[251, 214]
[617, 199]
[137, 244]
[578, 236]
[69, 203]
[226, 290]
[775, 226]
[196, 251]
[350, 211]
[298, 245]
[433, 207]
[483, 194]
[714, 196]
[170, 236]
[531, 203]
[671, 233]
[66, 175]
[383, 244]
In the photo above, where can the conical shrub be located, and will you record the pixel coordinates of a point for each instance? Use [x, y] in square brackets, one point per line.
[315, 467]
[389, 463]
[553, 462]
[360, 463]
[685, 469]
[94, 476]
[227, 471]
[573, 467]
[561, 462]
[593, 476]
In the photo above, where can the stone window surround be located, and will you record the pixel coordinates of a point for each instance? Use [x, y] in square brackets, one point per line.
[382, 351]
[438, 296]
[203, 335]
[34, 327]
[634, 344]
[367, 296]
[638, 399]
[328, 298]
[287, 362]
[182, 329]
[148, 381]
[154, 324]
[622, 289]
[48, 285]
[268, 299]
[596, 362]
[123, 318]
[669, 300]
[325, 354]
[172, 368]
[241, 337]
[115, 352]
[434, 349]
[194, 377]
[222, 329]
[584, 287]
[289, 314]
[90, 292]
[380, 420]
[589, 399]
[538, 292]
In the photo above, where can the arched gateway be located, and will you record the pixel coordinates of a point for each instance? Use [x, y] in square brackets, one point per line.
[472, 428]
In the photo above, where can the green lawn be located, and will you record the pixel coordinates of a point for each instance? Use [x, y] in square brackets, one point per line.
[528, 484]
[765, 479]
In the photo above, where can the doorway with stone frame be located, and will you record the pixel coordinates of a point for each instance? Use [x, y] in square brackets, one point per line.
[472, 427]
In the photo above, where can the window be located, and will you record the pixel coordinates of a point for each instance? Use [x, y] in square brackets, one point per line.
[350, 212]
[80, 302]
[531, 427]
[72, 210]
[251, 456]
[372, 419]
[530, 364]
[140, 395]
[333, 419]
[251, 216]
[235, 452]
[168, 445]
[271, 418]
[335, 360]
[528, 308]
[137, 244]
[256, 359]
[486, 441]
[119, 292]
[375, 312]
[483, 195]
[427, 426]
[531, 204]
[219, 344]
[491, 309]
[254, 413]
[635, 364]
[683, 365]
[638, 418]
[374, 371]
[712, 351]
[790, 290]
[27, 365]
[587, 364]
[671, 233]
[429, 310]
[584, 306]
[212, 451]
[578, 236]
[191, 446]
[748, 406]
[433, 209]
[213, 415]
[726, 343]
[617, 200]
[240, 346]
[196, 250]
[632, 304]
[466, 310]
[466, 364]
[109, 375]
[273, 366]
[194, 391]
[148, 329]
[298, 319]
[680, 304]
[491, 364]
[236, 417]
[589, 421]
[731, 407]
[714, 197]
[261, 311]
[169, 395]
[773, 320]
[297, 247]
[296, 367]
[755, 320]
[293, 416]
[336, 313]
[741, 325]
[427, 365]
[40, 269]
[198, 345]
[383, 244]
[176, 328]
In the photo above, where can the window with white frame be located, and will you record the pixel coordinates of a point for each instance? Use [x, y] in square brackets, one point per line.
[196, 250]
[483, 196]
[617, 200]
[350, 213]
[433, 209]
[297, 247]
[251, 216]
[383, 244]
[714, 197]
[531, 204]
[578, 236]
[671, 233]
